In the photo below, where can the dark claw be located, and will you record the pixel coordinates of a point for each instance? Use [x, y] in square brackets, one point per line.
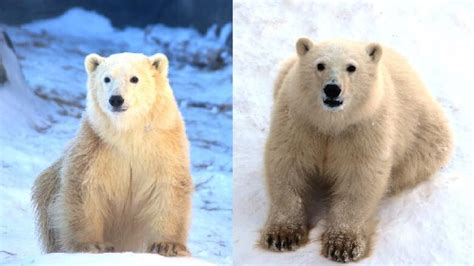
[158, 248]
[284, 243]
[330, 250]
[278, 243]
[269, 241]
[336, 254]
[175, 252]
[290, 243]
[345, 256]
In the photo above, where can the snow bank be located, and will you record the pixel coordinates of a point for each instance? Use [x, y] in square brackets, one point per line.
[75, 22]
[431, 224]
[185, 45]
[19, 108]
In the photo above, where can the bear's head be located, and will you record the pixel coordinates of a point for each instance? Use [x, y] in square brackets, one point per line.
[124, 88]
[337, 80]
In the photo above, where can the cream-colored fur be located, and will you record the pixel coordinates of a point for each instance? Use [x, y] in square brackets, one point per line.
[124, 182]
[388, 135]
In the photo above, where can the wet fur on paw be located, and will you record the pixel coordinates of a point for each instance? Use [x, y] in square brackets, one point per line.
[169, 249]
[286, 237]
[343, 246]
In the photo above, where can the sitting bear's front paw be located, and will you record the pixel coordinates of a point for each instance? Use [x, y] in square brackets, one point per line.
[168, 249]
[96, 247]
[284, 237]
[343, 246]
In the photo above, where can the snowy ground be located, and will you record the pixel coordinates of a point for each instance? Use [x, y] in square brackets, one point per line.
[51, 54]
[431, 224]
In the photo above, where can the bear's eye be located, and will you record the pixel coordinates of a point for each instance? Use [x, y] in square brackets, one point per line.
[106, 79]
[351, 68]
[320, 66]
[134, 79]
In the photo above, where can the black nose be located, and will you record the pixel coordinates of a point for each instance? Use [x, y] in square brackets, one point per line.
[332, 90]
[116, 100]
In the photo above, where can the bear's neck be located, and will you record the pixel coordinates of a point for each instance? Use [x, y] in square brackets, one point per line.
[137, 131]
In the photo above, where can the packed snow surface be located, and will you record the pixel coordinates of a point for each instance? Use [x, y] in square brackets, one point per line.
[51, 54]
[429, 225]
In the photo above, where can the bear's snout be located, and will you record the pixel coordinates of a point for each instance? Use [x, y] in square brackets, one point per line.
[332, 90]
[331, 97]
[116, 101]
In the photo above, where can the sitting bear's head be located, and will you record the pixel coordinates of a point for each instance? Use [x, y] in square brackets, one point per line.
[123, 88]
[337, 78]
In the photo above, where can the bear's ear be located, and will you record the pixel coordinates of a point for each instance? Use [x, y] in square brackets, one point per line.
[92, 61]
[374, 50]
[303, 45]
[160, 63]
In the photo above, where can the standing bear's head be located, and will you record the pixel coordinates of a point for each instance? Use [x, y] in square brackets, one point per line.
[337, 81]
[126, 88]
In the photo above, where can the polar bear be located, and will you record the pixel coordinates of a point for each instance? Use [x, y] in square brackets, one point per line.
[353, 120]
[124, 182]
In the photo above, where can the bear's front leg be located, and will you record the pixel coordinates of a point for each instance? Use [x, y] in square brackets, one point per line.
[169, 229]
[82, 225]
[286, 228]
[351, 218]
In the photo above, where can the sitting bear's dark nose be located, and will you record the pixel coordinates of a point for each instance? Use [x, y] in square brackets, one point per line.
[332, 90]
[116, 100]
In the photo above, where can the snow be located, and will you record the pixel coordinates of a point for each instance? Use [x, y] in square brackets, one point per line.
[15, 95]
[71, 23]
[430, 224]
[39, 116]
[127, 258]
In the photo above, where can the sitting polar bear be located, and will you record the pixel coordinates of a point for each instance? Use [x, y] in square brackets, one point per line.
[354, 120]
[124, 182]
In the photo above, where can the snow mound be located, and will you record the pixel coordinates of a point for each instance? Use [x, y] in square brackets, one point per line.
[75, 22]
[19, 108]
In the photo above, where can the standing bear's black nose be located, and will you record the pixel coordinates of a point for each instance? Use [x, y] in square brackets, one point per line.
[116, 100]
[332, 90]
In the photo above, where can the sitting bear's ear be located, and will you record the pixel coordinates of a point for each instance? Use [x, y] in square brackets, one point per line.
[92, 61]
[303, 45]
[160, 63]
[374, 50]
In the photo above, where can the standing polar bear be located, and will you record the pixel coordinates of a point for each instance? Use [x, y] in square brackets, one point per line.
[124, 182]
[354, 120]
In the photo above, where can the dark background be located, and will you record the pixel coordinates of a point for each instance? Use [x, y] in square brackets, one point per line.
[200, 14]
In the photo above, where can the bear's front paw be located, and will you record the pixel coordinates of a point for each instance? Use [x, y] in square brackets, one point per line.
[343, 246]
[96, 247]
[168, 249]
[284, 237]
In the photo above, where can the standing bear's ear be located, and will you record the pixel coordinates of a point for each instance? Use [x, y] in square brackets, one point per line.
[92, 61]
[303, 45]
[374, 50]
[160, 63]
